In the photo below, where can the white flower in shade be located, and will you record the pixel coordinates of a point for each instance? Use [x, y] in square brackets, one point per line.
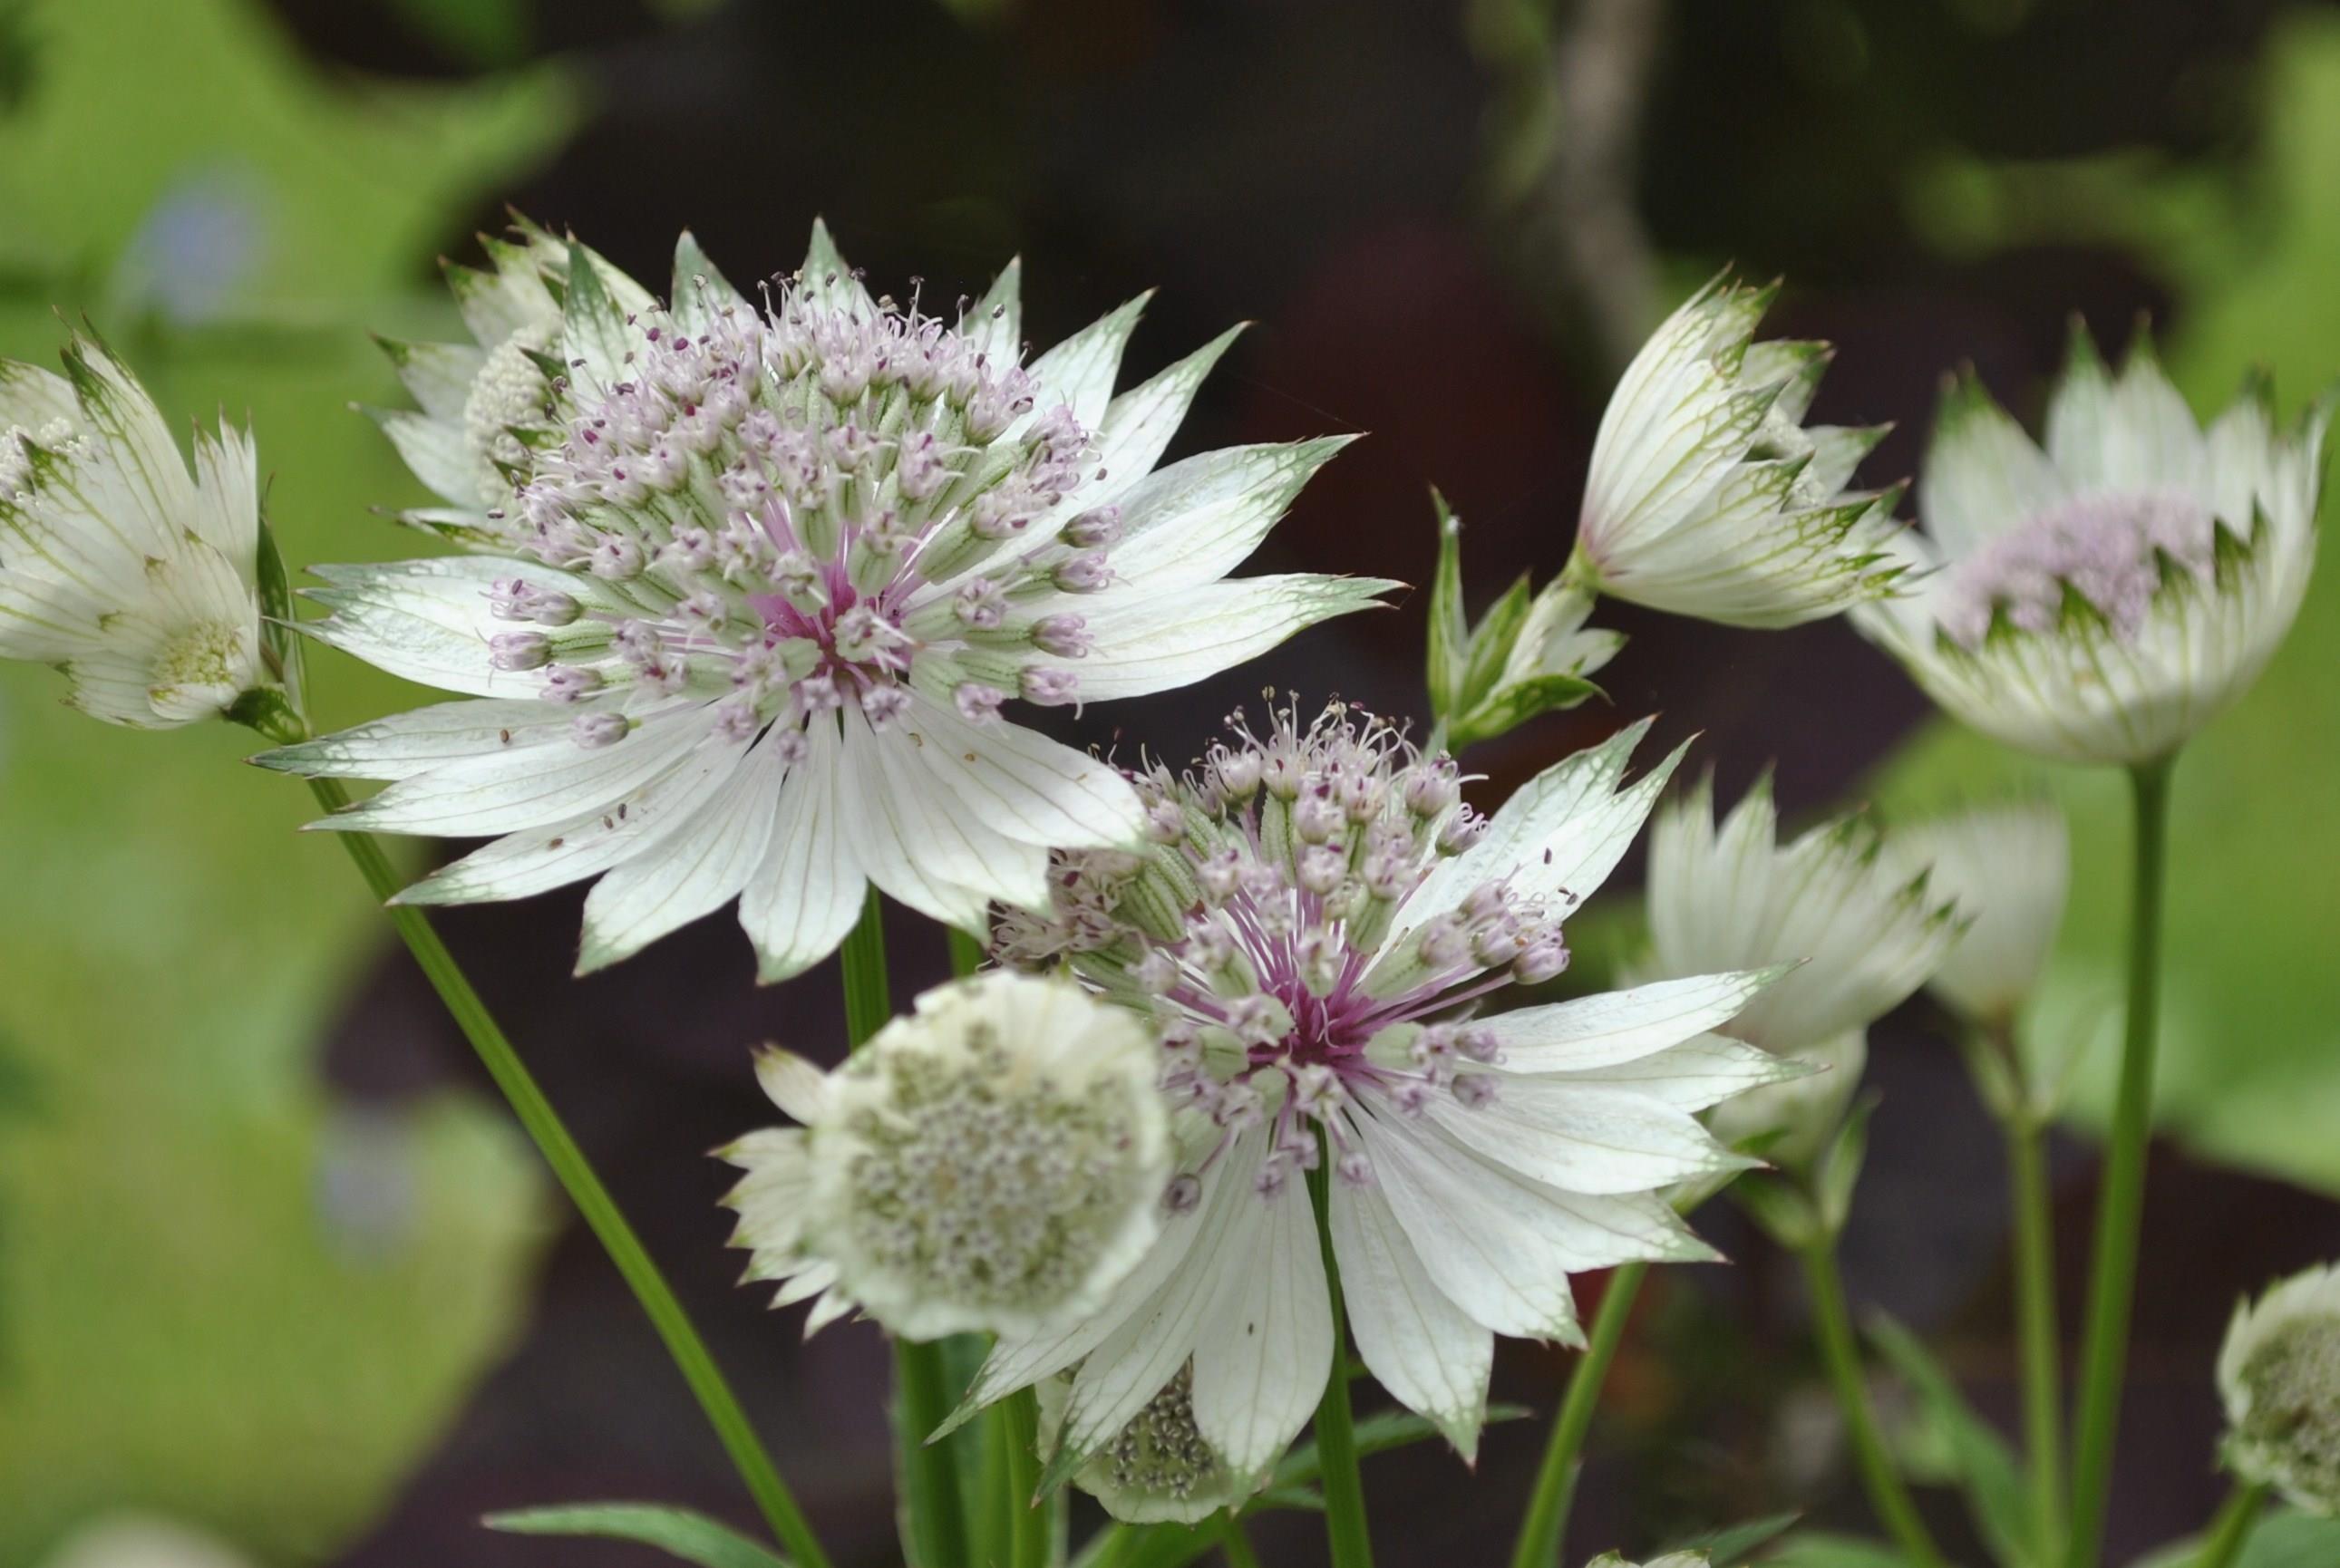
[135, 578]
[2279, 1375]
[2007, 867]
[1308, 932]
[1670, 1560]
[2101, 600]
[993, 1161]
[1707, 496]
[768, 577]
[141, 1540]
[1863, 930]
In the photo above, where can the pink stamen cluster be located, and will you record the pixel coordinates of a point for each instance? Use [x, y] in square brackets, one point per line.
[2113, 549]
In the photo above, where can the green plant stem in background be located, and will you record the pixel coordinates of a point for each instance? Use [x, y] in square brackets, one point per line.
[2035, 1310]
[1233, 1544]
[966, 952]
[576, 1177]
[1337, 1436]
[935, 1518]
[1841, 1354]
[2237, 1517]
[1546, 1524]
[2112, 1283]
[1029, 1532]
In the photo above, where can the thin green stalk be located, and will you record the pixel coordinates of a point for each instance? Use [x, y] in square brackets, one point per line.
[1841, 1354]
[1337, 1436]
[2120, 1208]
[2237, 1517]
[1233, 1544]
[2035, 1309]
[576, 1177]
[1029, 1530]
[936, 1518]
[1543, 1531]
[966, 952]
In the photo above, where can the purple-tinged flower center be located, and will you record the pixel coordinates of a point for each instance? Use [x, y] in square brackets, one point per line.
[2115, 549]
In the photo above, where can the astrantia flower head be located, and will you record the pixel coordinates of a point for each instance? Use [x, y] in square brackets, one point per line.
[1707, 496]
[995, 1161]
[1308, 931]
[2007, 867]
[763, 582]
[1863, 929]
[1157, 1467]
[2279, 1374]
[2101, 600]
[137, 581]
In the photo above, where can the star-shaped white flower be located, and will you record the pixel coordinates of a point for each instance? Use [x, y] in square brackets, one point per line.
[762, 582]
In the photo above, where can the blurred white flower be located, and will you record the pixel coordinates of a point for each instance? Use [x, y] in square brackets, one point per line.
[1670, 1560]
[764, 581]
[1707, 496]
[2007, 867]
[993, 1162]
[1862, 929]
[141, 1540]
[135, 579]
[2279, 1375]
[2102, 600]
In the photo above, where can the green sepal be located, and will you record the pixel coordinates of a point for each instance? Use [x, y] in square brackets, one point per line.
[1450, 627]
[1733, 1545]
[678, 1532]
[281, 649]
[1516, 704]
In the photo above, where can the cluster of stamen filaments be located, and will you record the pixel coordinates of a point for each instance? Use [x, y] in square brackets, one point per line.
[2112, 551]
[2293, 1380]
[807, 507]
[1260, 929]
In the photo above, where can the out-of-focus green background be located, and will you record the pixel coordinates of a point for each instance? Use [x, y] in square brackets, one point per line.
[234, 1295]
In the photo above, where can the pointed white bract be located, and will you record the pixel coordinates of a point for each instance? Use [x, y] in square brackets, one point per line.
[2279, 1375]
[2102, 599]
[1862, 929]
[993, 1162]
[2008, 868]
[1709, 496]
[755, 584]
[135, 578]
[1305, 932]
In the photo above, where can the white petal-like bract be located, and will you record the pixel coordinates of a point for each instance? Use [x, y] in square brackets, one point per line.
[2008, 867]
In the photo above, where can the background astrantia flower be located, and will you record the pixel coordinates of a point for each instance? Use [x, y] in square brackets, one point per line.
[2279, 1375]
[1307, 932]
[2007, 867]
[2101, 600]
[762, 582]
[1709, 496]
[993, 1160]
[1863, 929]
[137, 580]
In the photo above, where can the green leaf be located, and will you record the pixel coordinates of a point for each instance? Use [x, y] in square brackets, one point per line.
[1819, 1549]
[1382, 1430]
[281, 647]
[676, 1532]
[1491, 640]
[1840, 1167]
[2286, 1538]
[1510, 707]
[1785, 1214]
[1735, 1543]
[1972, 1455]
[1450, 625]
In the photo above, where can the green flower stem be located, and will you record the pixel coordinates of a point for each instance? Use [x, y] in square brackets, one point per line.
[965, 951]
[2237, 1517]
[2035, 1305]
[1030, 1533]
[934, 1517]
[1841, 1354]
[1233, 1544]
[1337, 1436]
[2104, 1352]
[584, 1187]
[1541, 1532]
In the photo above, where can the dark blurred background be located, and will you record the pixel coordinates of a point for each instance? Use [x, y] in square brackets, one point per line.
[272, 1267]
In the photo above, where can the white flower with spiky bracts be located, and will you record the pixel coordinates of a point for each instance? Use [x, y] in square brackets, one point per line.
[2279, 1375]
[993, 1161]
[769, 578]
[1709, 496]
[2007, 867]
[135, 578]
[1310, 930]
[1863, 930]
[2101, 600]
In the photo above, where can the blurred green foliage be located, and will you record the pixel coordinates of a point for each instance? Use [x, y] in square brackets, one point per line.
[226, 1298]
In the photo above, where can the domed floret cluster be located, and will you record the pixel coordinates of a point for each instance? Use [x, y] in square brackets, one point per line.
[1310, 930]
[2279, 1374]
[993, 1161]
[137, 581]
[762, 582]
[2101, 600]
[1859, 925]
[1708, 495]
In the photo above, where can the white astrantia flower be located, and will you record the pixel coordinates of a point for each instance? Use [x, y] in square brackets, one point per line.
[2279, 1375]
[135, 578]
[1670, 1560]
[2007, 867]
[764, 582]
[1709, 496]
[993, 1161]
[1863, 930]
[1308, 932]
[2101, 600]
